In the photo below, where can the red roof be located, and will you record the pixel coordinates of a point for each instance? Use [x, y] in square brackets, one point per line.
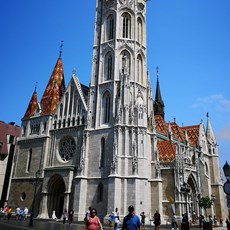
[31, 107]
[54, 90]
[167, 151]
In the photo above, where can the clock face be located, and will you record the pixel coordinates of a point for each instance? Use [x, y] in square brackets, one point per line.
[227, 187]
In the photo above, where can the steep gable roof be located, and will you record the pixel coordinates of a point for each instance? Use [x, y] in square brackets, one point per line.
[54, 90]
[30, 111]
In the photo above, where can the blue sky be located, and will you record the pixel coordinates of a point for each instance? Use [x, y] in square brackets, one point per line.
[187, 39]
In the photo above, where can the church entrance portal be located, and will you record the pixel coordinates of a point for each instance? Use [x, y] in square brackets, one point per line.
[56, 190]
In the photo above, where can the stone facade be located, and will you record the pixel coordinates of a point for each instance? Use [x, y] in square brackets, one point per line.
[108, 145]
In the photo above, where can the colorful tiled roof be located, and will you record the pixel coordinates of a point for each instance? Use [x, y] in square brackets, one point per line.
[167, 151]
[166, 147]
[31, 107]
[54, 90]
[193, 134]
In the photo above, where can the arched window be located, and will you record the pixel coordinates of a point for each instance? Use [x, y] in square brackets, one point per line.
[139, 30]
[108, 66]
[102, 152]
[139, 69]
[106, 104]
[126, 20]
[110, 27]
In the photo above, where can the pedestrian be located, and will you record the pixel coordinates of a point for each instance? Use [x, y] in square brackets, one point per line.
[54, 215]
[174, 222]
[26, 210]
[64, 216]
[142, 219]
[9, 213]
[17, 213]
[221, 221]
[116, 219]
[93, 222]
[157, 220]
[111, 220]
[87, 214]
[70, 216]
[201, 219]
[228, 224]
[131, 221]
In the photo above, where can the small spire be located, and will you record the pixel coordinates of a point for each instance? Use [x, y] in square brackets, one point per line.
[174, 120]
[207, 115]
[157, 71]
[74, 72]
[35, 88]
[60, 52]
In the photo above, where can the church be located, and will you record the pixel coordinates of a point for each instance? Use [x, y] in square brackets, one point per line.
[108, 145]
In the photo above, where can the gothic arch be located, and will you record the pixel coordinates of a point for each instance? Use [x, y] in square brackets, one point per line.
[108, 66]
[56, 191]
[106, 107]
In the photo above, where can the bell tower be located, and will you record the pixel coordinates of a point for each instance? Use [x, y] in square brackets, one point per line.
[119, 77]
[117, 141]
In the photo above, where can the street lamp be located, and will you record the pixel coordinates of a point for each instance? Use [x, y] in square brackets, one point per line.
[226, 170]
[37, 174]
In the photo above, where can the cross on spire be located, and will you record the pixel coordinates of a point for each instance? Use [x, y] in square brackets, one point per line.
[61, 48]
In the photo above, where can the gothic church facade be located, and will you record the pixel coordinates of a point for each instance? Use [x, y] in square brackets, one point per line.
[108, 145]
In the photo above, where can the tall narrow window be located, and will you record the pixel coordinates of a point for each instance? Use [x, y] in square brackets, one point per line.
[66, 103]
[102, 152]
[110, 27]
[139, 30]
[139, 69]
[29, 160]
[108, 66]
[106, 107]
[126, 25]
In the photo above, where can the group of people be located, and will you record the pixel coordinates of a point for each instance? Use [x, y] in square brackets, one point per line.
[21, 214]
[6, 211]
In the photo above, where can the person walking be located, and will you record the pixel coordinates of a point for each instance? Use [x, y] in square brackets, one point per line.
[70, 216]
[64, 216]
[174, 222]
[9, 213]
[131, 221]
[142, 219]
[93, 221]
[157, 220]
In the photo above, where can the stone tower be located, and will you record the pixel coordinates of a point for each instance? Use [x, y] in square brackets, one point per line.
[117, 142]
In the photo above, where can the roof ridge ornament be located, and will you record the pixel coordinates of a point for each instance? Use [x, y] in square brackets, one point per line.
[60, 52]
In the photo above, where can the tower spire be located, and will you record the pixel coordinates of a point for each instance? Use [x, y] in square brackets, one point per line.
[158, 103]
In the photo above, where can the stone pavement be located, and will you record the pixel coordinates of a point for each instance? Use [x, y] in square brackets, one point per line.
[48, 224]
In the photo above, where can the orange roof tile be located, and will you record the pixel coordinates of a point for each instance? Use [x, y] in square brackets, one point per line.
[31, 107]
[193, 134]
[54, 90]
[167, 151]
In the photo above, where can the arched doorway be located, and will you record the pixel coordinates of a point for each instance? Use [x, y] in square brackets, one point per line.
[56, 190]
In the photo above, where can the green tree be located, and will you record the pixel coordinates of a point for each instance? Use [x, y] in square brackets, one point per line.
[205, 203]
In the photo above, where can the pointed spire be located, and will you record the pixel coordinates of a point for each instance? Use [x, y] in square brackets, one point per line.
[30, 111]
[209, 132]
[54, 89]
[158, 103]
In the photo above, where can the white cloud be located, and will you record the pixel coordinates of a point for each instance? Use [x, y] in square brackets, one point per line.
[224, 134]
[217, 101]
